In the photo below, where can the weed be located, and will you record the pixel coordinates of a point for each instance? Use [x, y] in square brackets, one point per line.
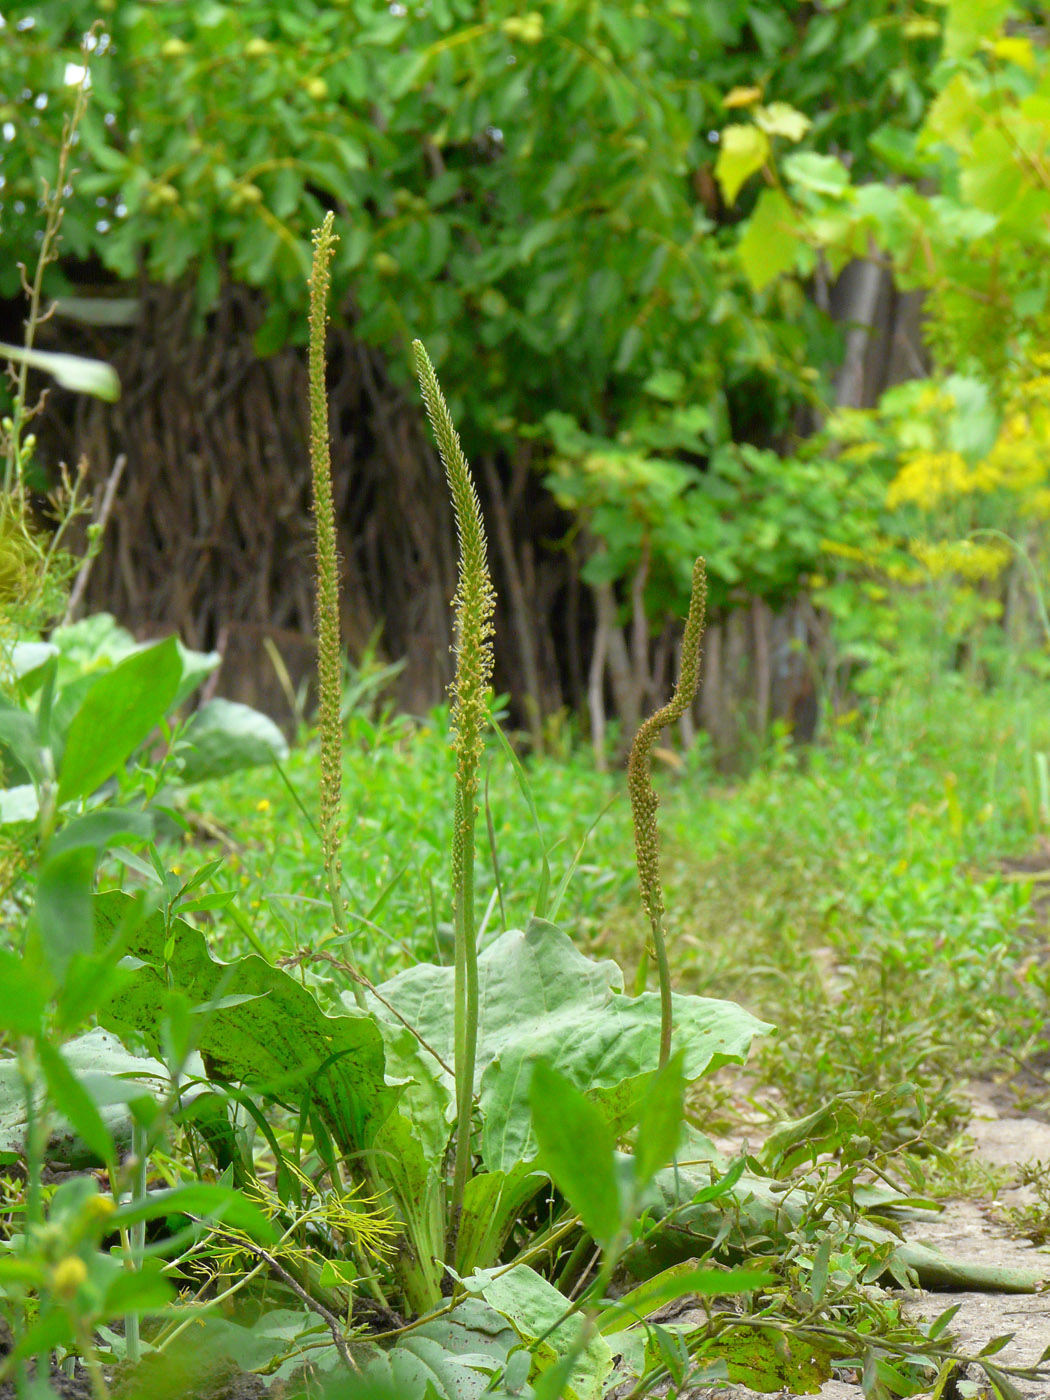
[1032, 1219]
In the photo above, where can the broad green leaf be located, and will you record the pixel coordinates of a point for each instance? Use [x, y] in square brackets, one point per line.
[216, 1342]
[541, 998]
[111, 1077]
[975, 426]
[15, 1268]
[406, 1147]
[117, 714]
[993, 178]
[18, 736]
[63, 905]
[661, 1122]
[472, 1328]
[743, 151]
[773, 1360]
[953, 115]
[92, 644]
[576, 1148]
[102, 829]
[555, 1383]
[282, 1043]
[667, 384]
[147, 1289]
[770, 244]
[197, 666]
[27, 657]
[451, 1358]
[821, 174]
[970, 22]
[23, 996]
[419, 1368]
[73, 372]
[533, 1306]
[225, 736]
[539, 234]
[492, 1203]
[419, 1193]
[899, 150]
[74, 1103]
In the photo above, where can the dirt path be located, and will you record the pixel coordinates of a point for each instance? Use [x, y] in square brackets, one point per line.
[969, 1231]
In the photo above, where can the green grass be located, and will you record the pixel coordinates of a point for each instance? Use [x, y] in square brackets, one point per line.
[397, 792]
[856, 897]
[853, 893]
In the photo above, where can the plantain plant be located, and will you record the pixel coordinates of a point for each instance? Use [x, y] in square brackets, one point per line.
[644, 800]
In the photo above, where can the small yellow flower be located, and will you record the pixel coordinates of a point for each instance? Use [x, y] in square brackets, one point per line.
[263, 805]
[100, 1207]
[67, 1276]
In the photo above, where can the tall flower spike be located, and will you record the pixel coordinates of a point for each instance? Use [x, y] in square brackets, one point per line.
[644, 801]
[329, 650]
[473, 604]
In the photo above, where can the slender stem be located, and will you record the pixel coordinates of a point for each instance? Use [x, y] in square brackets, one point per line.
[96, 530]
[54, 199]
[663, 973]
[329, 1318]
[466, 1020]
[137, 1234]
[36, 1143]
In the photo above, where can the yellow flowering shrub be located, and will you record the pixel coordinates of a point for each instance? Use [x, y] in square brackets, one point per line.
[966, 473]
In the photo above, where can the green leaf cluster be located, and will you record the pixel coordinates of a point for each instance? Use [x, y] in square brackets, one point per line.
[535, 196]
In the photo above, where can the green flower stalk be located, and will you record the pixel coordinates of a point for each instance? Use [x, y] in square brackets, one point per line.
[644, 801]
[473, 603]
[329, 650]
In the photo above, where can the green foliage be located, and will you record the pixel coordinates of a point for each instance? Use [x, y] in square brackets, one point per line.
[534, 196]
[498, 176]
[258, 1024]
[873, 870]
[607, 1043]
[965, 452]
[760, 520]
